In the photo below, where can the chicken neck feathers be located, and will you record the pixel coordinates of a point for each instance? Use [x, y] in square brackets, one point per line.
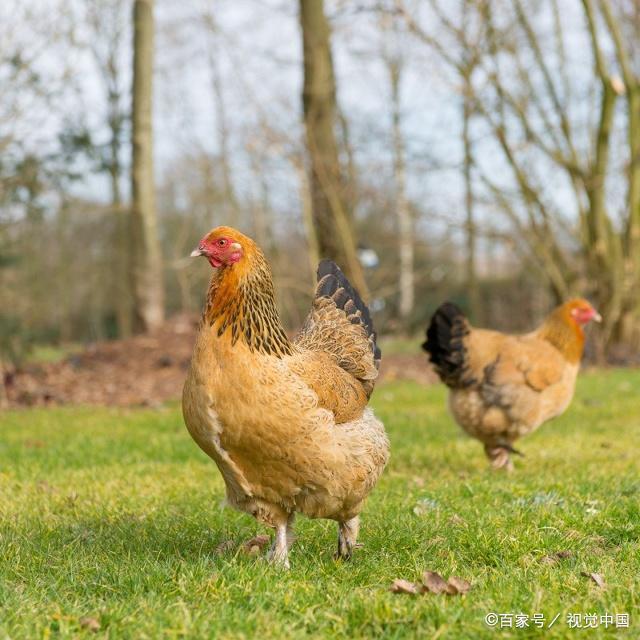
[565, 335]
[242, 302]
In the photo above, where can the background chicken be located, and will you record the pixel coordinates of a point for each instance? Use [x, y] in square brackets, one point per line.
[286, 421]
[503, 386]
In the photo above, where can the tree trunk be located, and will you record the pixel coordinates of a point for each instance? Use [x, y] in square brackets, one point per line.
[331, 217]
[147, 281]
[470, 226]
[121, 236]
[403, 213]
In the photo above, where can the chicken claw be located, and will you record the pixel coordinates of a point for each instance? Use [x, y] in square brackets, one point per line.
[347, 536]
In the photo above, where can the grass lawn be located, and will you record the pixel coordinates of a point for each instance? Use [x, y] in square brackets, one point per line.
[115, 515]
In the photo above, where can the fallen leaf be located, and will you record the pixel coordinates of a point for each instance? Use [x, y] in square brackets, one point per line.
[555, 557]
[256, 544]
[33, 444]
[404, 586]
[459, 585]
[225, 547]
[434, 582]
[89, 623]
[596, 577]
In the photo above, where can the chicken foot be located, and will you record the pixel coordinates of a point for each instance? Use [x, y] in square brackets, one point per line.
[347, 536]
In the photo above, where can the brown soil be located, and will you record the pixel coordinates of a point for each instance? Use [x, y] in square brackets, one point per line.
[145, 370]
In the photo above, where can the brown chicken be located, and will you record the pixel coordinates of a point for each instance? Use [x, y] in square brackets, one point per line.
[503, 386]
[286, 421]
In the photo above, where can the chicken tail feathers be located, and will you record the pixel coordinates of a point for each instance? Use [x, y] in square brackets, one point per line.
[332, 283]
[445, 345]
[340, 325]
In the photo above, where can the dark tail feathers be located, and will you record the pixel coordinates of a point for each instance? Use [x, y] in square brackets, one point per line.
[445, 345]
[332, 283]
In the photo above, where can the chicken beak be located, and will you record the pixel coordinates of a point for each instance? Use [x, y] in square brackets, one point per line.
[597, 317]
[196, 253]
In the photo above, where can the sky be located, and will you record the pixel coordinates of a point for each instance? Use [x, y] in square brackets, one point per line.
[257, 49]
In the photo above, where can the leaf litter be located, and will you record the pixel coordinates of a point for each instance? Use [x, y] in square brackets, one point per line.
[596, 577]
[432, 582]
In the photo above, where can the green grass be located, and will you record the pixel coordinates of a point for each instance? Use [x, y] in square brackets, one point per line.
[49, 353]
[400, 345]
[116, 515]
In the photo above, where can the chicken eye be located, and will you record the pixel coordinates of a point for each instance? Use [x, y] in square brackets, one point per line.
[221, 242]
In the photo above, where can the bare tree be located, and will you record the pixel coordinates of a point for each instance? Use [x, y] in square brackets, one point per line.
[107, 21]
[148, 289]
[394, 60]
[468, 65]
[332, 219]
[526, 103]
[463, 60]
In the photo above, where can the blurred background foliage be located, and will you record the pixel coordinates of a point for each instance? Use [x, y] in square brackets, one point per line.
[482, 151]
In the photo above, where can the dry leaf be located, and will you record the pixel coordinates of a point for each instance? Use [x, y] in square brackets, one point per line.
[555, 557]
[459, 585]
[33, 444]
[434, 582]
[596, 577]
[256, 544]
[90, 624]
[403, 586]
[225, 547]
[456, 520]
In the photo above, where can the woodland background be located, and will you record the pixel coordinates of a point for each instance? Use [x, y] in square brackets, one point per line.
[483, 151]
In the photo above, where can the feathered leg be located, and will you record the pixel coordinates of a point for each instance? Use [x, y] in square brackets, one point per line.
[347, 536]
[499, 456]
[279, 552]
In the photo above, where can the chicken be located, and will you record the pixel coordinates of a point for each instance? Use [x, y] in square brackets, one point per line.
[286, 421]
[503, 386]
